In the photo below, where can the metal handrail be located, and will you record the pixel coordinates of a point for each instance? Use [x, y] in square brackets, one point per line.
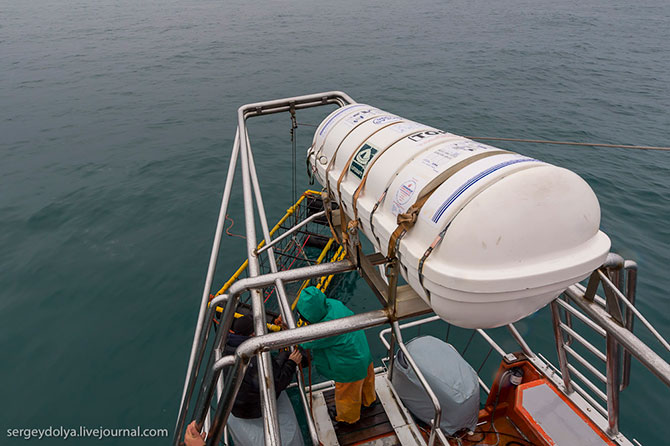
[277, 340]
[290, 231]
[581, 317]
[590, 347]
[284, 306]
[631, 284]
[297, 274]
[271, 427]
[628, 340]
[240, 148]
[606, 318]
[636, 312]
[596, 317]
[191, 376]
[586, 364]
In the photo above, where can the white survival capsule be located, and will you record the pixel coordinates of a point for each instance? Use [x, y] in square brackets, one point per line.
[485, 236]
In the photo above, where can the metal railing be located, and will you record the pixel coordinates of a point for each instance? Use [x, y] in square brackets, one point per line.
[251, 190]
[607, 319]
[594, 312]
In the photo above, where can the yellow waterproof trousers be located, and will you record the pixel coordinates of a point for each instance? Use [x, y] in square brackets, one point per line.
[350, 396]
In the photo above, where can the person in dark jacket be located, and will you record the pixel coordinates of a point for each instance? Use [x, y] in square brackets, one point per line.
[344, 358]
[248, 401]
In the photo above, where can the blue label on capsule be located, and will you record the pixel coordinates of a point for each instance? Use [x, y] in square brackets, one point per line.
[458, 192]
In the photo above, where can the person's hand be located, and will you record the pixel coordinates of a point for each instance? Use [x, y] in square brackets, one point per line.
[296, 356]
[279, 321]
[193, 437]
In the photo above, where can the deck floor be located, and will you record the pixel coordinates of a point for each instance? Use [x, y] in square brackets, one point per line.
[374, 424]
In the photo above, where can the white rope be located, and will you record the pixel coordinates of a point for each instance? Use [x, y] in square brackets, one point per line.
[569, 143]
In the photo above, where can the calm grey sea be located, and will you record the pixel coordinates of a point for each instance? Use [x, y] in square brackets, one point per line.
[116, 122]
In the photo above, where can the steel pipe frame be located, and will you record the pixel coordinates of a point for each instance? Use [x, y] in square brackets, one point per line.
[426, 320]
[586, 344]
[297, 103]
[492, 343]
[560, 351]
[219, 391]
[290, 231]
[586, 364]
[606, 281]
[284, 306]
[267, 107]
[191, 373]
[631, 285]
[330, 384]
[232, 298]
[612, 385]
[581, 317]
[267, 391]
[599, 393]
[515, 334]
[628, 340]
[277, 340]
[266, 386]
[234, 292]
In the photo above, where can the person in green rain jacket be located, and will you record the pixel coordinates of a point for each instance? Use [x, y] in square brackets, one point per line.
[344, 358]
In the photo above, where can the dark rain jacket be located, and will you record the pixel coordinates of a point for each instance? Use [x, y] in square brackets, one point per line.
[248, 401]
[344, 358]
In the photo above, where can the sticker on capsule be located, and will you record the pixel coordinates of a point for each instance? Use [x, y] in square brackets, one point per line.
[405, 195]
[444, 155]
[362, 159]
[426, 135]
[361, 116]
[385, 119]
[405, 192]
[407, 127]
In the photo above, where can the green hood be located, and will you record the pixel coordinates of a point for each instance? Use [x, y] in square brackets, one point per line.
[343, 358]
[312, 304]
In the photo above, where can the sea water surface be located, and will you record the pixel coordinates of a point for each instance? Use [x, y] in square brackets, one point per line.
[116, 123]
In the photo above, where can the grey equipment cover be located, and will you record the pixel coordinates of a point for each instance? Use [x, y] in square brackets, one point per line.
[448, 374]
[249, 432]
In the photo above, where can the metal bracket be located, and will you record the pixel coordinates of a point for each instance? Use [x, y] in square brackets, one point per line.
[592, 286]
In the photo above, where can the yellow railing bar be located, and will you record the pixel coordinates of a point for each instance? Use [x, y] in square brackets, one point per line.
[325, 251]
[335, 256]
[306, 282]
[319, 260]
[326, 281]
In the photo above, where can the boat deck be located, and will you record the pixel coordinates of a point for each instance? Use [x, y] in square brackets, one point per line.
[533, 413]
[387, 423]
[374, 423]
